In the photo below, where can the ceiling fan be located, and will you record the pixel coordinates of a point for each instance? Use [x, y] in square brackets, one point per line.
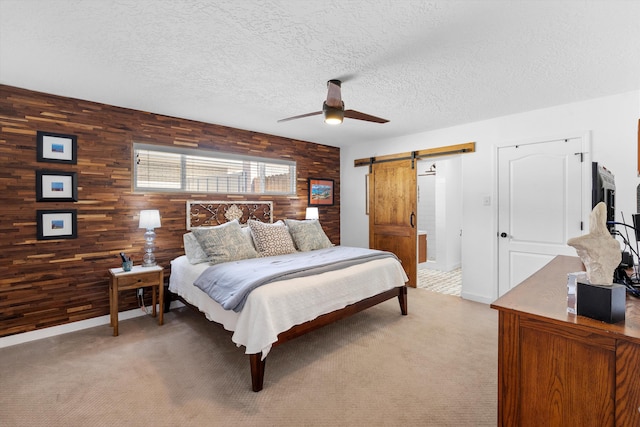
[333, 108]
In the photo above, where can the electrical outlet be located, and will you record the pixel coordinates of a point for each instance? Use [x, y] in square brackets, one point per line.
[140, 291]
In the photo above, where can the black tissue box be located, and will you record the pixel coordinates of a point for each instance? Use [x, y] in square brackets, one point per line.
[606, 303]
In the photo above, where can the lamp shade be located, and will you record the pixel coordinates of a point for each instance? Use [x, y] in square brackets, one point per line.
[312, 213]
[149, 219]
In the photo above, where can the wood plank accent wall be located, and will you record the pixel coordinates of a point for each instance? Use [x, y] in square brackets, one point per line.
[52, 282]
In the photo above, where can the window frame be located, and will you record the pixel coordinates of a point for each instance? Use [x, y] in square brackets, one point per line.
[258, 162]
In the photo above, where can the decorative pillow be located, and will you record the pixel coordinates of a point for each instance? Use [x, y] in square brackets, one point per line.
[271, 239]
[308, 235]
[193, 250]
[224, 243]
[247, 234]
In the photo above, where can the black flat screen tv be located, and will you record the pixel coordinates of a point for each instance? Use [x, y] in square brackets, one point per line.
[603, 189]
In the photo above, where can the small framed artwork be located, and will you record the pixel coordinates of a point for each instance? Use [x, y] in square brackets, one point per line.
[57, 148]
[320, 192]
[54, 186]
[57, 224]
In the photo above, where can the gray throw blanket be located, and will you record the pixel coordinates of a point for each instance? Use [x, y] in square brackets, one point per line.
[230, 283]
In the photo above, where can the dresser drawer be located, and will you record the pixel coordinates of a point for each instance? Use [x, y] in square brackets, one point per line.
[138, 280]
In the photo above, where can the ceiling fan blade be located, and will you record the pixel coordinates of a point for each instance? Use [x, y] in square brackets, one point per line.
[315, 113]
[333, 108]
[334, 96]
[353, 114]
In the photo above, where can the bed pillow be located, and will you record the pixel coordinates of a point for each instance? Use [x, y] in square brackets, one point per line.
[271, 239]
[224, 243]
[308, 235]
[193, 250]
[246, 231]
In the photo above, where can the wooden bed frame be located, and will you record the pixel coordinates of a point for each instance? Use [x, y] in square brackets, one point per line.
[255, 359]
[207, 213]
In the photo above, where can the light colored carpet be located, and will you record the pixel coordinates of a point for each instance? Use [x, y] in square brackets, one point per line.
[435, 367]
[443, 282]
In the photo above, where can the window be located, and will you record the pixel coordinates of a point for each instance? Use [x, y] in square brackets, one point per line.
[172, 169]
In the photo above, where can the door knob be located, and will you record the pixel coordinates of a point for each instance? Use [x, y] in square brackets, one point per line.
[503, 234]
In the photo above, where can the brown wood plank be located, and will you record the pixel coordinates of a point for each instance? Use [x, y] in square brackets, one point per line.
[392, 214]
[627, 384]
[468, 147]
[508, 369]
[46, 283]
[554, 369]
[334, 316]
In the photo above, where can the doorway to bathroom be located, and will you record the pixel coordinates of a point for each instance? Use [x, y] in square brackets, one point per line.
[439, 223]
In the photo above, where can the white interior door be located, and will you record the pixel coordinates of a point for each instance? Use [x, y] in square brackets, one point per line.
[539, 206]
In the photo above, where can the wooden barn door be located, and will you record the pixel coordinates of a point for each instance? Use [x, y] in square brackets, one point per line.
[392, 212]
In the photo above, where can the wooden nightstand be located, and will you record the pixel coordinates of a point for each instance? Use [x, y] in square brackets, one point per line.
[138, 277]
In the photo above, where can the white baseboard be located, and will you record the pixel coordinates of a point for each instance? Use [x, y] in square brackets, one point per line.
[72, 327]
[477, 298]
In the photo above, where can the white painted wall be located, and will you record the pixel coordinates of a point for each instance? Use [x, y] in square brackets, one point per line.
[610, 121]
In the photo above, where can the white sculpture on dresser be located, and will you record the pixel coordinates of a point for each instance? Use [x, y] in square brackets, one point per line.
[600, 253]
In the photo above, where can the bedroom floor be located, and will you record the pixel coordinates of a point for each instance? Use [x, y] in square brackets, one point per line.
[443, 282]
[358, 372]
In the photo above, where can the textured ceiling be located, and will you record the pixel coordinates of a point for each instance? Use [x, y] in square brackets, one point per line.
[247, 63]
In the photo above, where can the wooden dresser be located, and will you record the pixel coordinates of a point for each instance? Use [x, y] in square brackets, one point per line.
[559, 369]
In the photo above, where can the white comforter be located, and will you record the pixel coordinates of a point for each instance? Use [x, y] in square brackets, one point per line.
[276, 307]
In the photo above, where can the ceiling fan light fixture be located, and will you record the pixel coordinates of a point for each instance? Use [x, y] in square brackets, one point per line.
[332, 115]
[333, 108]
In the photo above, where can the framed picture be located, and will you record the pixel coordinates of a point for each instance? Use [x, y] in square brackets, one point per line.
[57, 224]
[54, 186]
[57, 148]
[320, 192]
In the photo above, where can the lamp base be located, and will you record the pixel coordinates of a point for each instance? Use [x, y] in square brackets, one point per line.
[148, 260]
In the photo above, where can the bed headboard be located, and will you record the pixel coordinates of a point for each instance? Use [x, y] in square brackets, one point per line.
[210, 213]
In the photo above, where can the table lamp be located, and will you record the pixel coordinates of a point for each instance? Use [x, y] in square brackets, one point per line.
[149, 219]
[312, 213]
